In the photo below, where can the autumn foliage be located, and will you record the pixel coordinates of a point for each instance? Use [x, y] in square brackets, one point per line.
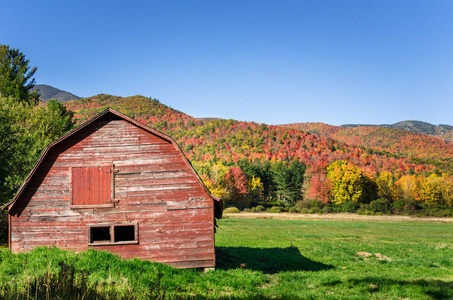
[248, 162]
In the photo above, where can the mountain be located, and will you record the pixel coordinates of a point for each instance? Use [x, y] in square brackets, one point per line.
[441, 131]
[48, 92]
[230, 141]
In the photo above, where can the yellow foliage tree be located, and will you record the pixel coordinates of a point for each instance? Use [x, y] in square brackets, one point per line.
[386, 186]
[446, 189]
[213, 177]
[255, 188]
[430, 189]
[409, 188]
[350, 183]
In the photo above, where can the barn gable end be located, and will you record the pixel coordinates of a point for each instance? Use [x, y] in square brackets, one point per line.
[114, 184]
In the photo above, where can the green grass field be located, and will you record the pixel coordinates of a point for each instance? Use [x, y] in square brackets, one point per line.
[279, 259]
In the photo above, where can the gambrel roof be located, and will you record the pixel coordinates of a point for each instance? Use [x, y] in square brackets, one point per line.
[110, 114]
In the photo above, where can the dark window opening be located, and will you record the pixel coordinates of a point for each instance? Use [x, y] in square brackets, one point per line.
[112, 234]
[100, 234]
[124, 233]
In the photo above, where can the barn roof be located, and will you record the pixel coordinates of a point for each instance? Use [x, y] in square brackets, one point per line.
[103, 114]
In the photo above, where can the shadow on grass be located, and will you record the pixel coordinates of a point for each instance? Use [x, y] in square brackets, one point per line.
[433, 289]
[266, 260]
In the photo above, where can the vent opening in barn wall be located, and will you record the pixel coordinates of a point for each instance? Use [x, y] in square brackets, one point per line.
[115, 184]
[112, 234]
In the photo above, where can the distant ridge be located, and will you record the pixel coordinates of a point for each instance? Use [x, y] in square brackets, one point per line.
[48, 92]
[413, 126]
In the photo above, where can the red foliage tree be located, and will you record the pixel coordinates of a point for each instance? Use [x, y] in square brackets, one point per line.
[236, 182]
[320, 187]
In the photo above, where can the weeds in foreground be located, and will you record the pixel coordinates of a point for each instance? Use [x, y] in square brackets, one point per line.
[256, 259]
[70, 284]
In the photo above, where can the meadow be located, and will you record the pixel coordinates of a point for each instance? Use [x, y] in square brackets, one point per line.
[256, 259]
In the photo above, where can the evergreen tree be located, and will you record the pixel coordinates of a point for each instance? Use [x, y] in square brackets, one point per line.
[16, 76]
[289, 180]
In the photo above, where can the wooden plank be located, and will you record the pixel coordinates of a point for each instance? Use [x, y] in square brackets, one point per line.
[113, 216]
[150, 174]
[144, 148]
[154, 167]
[153, 182]
[120, 156]
[210, 263]
[160, 195]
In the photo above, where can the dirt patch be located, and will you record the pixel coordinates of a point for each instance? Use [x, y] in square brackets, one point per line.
[364, 254]
[338, 217]
[379, 256]
[382, 257]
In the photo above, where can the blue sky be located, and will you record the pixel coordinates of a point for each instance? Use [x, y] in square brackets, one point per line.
[273, 62]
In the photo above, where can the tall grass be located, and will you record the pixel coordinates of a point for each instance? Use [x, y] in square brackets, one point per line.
[256, 259]
[51, 273]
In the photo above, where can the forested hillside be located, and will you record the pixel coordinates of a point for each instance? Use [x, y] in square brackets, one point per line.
[247, 162]
[231, 141]
[418, 147]
[442, 131]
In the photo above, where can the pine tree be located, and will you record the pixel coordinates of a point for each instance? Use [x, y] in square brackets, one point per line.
[16, 76]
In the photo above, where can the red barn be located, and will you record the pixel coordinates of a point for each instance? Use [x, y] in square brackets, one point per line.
[115, 184]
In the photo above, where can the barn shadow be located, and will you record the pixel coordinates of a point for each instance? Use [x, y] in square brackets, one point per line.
[266, 260]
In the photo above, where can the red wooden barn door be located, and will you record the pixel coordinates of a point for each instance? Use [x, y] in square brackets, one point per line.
[91, 185]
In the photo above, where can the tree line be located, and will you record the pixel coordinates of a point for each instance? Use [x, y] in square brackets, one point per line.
[246, 183]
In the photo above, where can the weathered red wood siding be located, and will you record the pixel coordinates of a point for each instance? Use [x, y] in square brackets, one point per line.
[154, 186]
